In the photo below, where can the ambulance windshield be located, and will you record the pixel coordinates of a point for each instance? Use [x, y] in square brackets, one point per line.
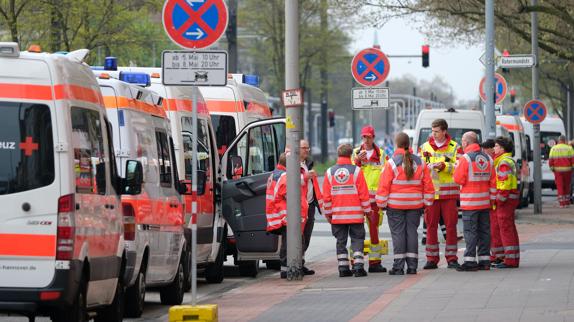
[26, 147]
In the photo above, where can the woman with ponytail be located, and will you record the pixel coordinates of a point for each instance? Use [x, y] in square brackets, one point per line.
[405, 188]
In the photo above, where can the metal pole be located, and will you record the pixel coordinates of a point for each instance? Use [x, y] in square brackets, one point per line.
[294, 243]
[569, 112]
[232, 36]
[194, 200]
[536, 143]
[489, 74]
[324, 85]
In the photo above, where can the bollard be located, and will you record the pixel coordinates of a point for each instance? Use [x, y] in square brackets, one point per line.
[197, 313]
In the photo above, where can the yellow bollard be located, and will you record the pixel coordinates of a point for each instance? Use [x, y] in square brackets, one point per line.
[198, 313]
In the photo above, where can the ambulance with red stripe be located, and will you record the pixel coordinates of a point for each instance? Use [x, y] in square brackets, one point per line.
[61, 231]
[157, 255]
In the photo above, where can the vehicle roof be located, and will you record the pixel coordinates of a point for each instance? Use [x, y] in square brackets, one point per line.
[510, 122]
[550, 123]
[427, 116]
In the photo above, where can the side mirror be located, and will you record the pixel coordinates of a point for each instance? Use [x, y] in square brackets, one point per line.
[134, 178]
[235, 171]
[101, 178]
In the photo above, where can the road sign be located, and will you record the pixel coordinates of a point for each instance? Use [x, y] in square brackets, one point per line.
[497, 54]
[370, 67]
[500, 88]
[292, 97]
[535, 111]
[195, 23]
[370, 98]
[197, 68]
[517, 61]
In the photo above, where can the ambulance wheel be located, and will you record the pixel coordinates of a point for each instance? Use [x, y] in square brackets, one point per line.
[135, 296]
[77, 312]
[214, 271]
[248, 268]
[273, 265]
[172, 294]
[115, 311]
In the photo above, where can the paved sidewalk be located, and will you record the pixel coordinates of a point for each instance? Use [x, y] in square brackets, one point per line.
[541, 289]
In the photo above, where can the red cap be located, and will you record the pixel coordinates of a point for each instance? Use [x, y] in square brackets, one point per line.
[368, 131]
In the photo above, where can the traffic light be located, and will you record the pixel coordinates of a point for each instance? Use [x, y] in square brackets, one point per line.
[512, 95]
[426, 50]
[505, 53]
[331, 118]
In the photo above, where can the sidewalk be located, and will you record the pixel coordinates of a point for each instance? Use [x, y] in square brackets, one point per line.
[541, 289]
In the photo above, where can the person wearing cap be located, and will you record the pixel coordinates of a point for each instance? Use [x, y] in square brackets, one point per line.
[561, 162]
[371, 159]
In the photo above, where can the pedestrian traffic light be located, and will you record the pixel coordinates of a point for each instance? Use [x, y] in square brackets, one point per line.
[331, 118]
[505, 53]
[426, 50]
[512, 95]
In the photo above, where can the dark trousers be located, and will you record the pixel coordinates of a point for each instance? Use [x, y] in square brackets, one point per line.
[308, 230]
[476, 225]
[283, 249]
[404, 224]
[357, 233]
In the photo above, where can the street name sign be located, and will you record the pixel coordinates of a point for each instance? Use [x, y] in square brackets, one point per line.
[366, 98]
[292, 97]
[517, 61]
[195, 24]
[198, 68]
[370, 67]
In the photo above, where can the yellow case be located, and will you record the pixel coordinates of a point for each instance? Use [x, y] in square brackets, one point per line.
[200, 313]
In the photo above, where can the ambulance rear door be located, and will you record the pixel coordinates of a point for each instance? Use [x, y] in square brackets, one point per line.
[246, 166]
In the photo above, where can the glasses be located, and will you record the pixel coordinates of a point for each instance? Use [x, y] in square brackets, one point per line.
[305, 148]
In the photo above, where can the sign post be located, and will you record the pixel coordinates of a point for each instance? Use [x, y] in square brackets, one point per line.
[194, 25]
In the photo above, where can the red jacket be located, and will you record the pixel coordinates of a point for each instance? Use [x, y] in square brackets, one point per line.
[477, 179]
[276, 199]
[345, 193]
[398, 192]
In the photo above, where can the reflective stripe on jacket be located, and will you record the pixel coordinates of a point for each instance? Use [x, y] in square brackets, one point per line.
[561, 158]
[506, 181]
[371, 169]
[477, 179]
[397, 191]
[276, 199]
[345, 193]
[445, 187]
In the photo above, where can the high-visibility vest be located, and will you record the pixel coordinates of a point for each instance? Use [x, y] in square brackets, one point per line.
[371, 169]
[477, 179]
[345, 193]
[561, 158]
[506, 181]
[444, 185]
[276, 200]
[397, 191]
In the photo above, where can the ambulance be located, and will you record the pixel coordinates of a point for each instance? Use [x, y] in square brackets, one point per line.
[62, 248]
[521, 154]
[157, 254]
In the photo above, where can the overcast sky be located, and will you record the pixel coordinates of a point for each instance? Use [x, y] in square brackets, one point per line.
[457, 64]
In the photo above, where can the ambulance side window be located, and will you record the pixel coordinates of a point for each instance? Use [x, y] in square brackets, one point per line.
[89, 156]
[256, 159]
[270, 155]
[163, 159]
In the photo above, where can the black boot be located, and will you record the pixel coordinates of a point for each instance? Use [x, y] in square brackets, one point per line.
[396, 271]
[377, 268]
[344, 271]
[430, 265]
[307, 271]
[359, 271]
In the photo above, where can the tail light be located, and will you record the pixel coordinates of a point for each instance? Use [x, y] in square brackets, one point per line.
[66, 228]
[129, 221]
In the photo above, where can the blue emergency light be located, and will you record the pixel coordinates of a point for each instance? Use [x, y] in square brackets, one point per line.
[111, 63]
[252, 80]
[141, 79]
[97, 67]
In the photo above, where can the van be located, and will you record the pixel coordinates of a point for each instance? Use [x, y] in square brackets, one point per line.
[157, 254]
[459, 122]
[550, 129]
[521, 153]
[61, 233]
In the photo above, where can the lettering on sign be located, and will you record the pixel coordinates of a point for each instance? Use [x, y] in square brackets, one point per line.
[198, 68]
[293, 97]
[369, 98]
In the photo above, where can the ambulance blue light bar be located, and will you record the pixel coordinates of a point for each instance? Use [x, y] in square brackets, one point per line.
[111, 63]
[141, 79]
[252, 80]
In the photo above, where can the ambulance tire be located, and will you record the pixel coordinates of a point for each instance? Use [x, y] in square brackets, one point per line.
[115, 311]
[135, 295]
[214, 272]
[77, 312]
[248, 268]
[172, 294]
[273, 265]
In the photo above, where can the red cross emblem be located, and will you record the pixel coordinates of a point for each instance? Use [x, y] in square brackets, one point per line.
[481, 162]
[342, 175]
[28, 146]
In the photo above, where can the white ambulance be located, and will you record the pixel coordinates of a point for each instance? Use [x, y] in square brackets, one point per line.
[61, 230]
[157, 254]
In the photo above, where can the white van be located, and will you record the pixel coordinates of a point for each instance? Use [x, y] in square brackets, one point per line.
[61, 233]
[550, 129]
[153, 217]
[459, 122]
[521, 154]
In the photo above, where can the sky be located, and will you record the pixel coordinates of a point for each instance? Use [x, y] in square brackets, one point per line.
[458, 64]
